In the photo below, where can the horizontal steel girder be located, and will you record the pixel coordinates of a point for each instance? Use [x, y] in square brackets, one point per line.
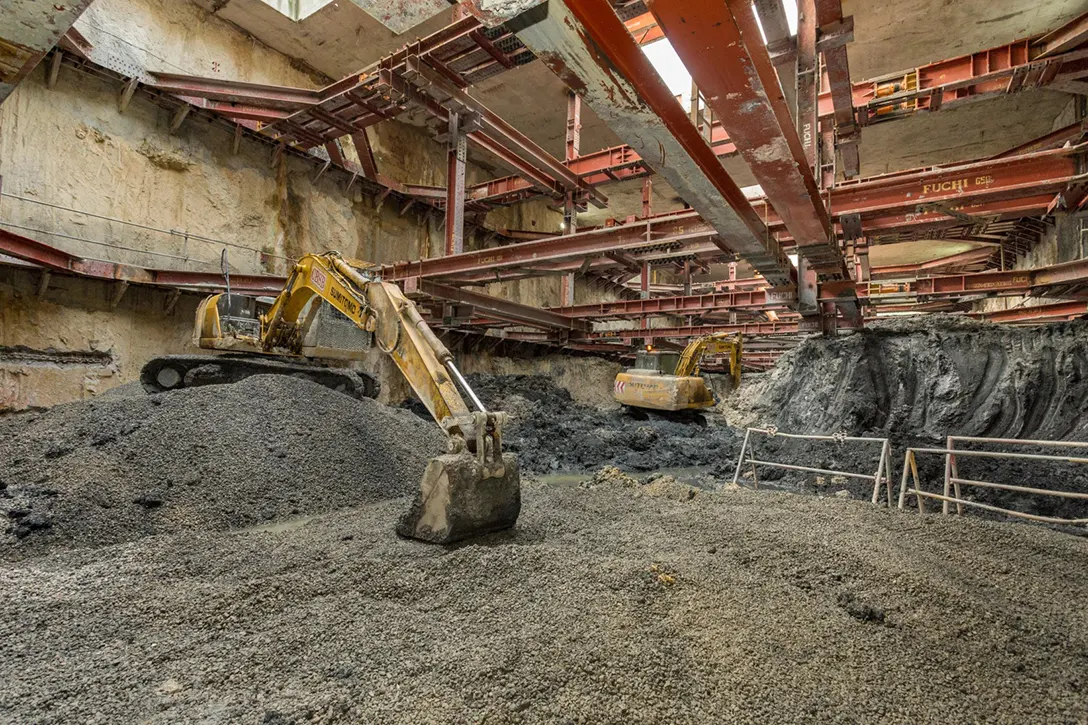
[586, 45]
[494, 306]
[720, 43]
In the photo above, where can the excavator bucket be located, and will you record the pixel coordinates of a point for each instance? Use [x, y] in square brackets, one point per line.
[460, 498]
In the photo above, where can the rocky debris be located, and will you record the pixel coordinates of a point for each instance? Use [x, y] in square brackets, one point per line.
[599, 607]
[916, 381]
[669, 487]
[658, 485]
[928, 378]
[551, 433]
[124, 466]
[612, 477]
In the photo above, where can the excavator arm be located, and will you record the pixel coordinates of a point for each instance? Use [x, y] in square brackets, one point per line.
[719, 342]
[399, 331]
[474, 488]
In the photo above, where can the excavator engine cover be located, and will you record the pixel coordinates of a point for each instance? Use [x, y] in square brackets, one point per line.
[649, 389]
[461, 497]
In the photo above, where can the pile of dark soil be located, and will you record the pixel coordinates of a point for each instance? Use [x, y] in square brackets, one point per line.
[917, 381]
[607, 604]
[551, 433]
[123, 466]
[934, 377]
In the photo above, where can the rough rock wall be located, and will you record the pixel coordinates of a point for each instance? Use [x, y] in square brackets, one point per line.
[1062, 242]
[68, 344]
[192, 196]
[929, 380]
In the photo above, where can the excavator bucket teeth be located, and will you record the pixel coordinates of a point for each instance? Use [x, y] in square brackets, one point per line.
[460, 498]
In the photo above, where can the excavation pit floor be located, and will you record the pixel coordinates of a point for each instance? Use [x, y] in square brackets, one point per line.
[606, 604]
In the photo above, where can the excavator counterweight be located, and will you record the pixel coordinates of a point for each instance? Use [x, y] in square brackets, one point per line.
[473, 489]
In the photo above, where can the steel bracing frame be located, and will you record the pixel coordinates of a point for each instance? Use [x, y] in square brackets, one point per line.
[593, 46]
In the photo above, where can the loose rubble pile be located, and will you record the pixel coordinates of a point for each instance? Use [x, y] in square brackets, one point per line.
[226, 554]
[551, 433]
[125, 466]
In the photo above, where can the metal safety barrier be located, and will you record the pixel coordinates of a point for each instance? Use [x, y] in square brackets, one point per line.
[883, 474]
[953, 481]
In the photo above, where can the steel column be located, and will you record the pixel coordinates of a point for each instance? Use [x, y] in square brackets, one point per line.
[836, 66]
[455, 187]
[573, 150]
[574, 125]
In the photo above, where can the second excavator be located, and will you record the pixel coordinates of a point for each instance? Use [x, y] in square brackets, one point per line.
[670, 381]
[473, 489]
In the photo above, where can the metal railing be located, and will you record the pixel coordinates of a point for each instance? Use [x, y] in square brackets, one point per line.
[953, 482]
[883, 474]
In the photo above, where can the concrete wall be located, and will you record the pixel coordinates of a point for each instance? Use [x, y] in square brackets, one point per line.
[73, 165]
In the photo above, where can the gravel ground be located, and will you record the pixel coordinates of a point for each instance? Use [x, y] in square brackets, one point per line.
[130, 465]
[607, 604]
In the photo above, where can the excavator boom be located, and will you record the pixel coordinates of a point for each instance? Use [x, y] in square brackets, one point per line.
[473, 489]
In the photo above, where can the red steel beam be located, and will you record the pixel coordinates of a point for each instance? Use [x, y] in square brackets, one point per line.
[365, 79]
[58, 260]
[837, 69]
[496, 307]
[441, 89]
[1021, 175]
[808, 85]
[28, 30]
[686, 331]
[1071, 35]
[580, 245]
[763, 299]
[586, 45]
[1073, 133]
[1042, 280]
[721, 45]
[644, 28]
[971, 256]
[880, 100]
[260, 95]
[1038, 313]
[1006, 188]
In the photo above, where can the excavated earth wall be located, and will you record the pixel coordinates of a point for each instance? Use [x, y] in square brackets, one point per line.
[917, 382]
[930, 379]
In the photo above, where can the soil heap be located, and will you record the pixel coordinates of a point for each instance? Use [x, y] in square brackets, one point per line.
[928, 378]
[917, 381]
[551, 433]
[120, 467]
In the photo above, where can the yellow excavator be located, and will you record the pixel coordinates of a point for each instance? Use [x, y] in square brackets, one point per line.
[670, 381]
[472, 490]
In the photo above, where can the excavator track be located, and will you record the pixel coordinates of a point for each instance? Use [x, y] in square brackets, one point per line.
[173, 372]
